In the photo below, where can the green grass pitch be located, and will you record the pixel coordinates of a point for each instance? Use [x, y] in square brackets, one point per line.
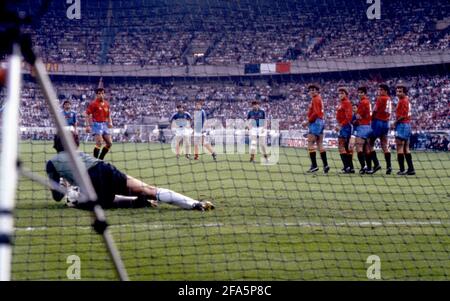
[271, 222]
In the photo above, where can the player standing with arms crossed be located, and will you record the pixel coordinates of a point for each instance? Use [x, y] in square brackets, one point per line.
[256, 124]
[316, 126]
[344, 115]
[99, 117]
[363, 130]
[380, 128]
[403, 131]
[199, 134]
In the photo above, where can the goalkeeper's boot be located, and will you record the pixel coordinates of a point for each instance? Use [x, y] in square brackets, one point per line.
[411, 172]
[312, 169]
[402, 173]
[389, 170]
[203, 206]
[326, 169]
[214, 156]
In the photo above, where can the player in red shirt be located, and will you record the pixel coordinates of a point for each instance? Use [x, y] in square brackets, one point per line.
[99, 117]
[316, 126]
[403, 131]
[380, 128]
[363, 130]
[344, 115]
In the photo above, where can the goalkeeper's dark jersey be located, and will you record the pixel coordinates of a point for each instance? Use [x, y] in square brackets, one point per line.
[60, 167]
[107, 180]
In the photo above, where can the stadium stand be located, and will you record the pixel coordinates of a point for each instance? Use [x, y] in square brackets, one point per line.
[237, 35]
[430, 98]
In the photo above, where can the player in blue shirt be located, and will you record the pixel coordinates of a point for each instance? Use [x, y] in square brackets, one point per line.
[69, 115]
[258, 134]
[181, 125]
[200, 135]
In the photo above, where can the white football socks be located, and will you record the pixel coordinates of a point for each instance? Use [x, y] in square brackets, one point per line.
[174, 198]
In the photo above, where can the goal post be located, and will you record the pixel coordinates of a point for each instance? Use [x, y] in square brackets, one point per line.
[8, 163]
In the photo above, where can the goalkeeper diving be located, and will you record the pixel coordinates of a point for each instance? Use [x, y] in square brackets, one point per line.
[109, 182]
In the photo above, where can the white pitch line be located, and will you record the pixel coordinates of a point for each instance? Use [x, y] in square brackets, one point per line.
[218, 225]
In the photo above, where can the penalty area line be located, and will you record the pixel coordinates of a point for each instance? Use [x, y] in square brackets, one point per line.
[300, 224]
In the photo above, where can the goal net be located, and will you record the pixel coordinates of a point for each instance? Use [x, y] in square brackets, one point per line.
[272, 218]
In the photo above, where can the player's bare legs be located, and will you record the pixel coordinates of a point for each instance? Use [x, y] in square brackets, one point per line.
[197, 141]
[350, 147]
[209, 147]
[255, 141]
[253, 146]
[262, 145]
[387, 153]
[177, 146]
[195, 151]
[107, 147]
[204, 144]
[139, 188]
[187, 145]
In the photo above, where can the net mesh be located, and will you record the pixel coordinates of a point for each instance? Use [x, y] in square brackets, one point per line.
[271, 221]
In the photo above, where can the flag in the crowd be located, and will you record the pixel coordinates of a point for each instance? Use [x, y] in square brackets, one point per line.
[252, 68]
[268, 68]
[281, 67]
[284, 67]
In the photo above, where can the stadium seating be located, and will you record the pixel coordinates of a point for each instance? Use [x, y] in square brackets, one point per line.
[158, 36]
[430, 98]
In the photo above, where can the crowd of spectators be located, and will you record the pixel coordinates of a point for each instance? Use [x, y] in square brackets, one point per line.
[132, 103]
[437, 142]
[131, 33]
